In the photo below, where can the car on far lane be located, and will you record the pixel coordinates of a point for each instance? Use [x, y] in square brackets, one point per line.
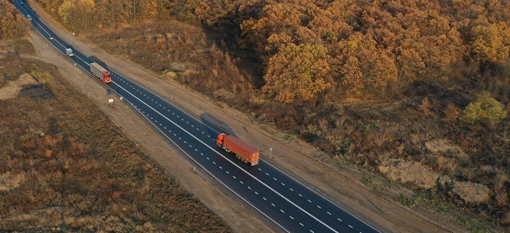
[29, 17]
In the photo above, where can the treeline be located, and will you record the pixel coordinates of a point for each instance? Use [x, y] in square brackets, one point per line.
[11, 21]
[329, 50]
[366, 48]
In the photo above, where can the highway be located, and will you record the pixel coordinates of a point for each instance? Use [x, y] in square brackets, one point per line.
[289, 204]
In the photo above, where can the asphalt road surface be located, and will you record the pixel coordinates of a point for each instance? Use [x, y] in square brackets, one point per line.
[285, 201]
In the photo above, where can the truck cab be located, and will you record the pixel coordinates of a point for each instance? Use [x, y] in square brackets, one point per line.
[69, 52]
[219, 140]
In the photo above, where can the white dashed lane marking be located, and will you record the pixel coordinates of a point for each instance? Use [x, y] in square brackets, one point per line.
[329, 213]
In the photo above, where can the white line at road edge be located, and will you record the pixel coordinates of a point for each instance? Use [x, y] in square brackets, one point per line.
[165, 100]
[255, 178]
[210, 172]
[56, 35]
[206, 125]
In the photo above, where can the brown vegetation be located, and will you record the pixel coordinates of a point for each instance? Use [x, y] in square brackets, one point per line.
[383, 79]
[11, 21]
[65, 167]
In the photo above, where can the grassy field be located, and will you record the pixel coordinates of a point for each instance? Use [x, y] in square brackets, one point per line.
[65, 167]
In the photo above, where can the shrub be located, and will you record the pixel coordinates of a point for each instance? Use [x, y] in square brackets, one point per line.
[484, 108]
[425, 107]
[451, 112]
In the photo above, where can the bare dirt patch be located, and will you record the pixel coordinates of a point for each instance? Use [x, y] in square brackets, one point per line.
[12, 88]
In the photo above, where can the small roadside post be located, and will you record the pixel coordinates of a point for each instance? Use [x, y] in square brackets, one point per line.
[122, 100]
[270, 152]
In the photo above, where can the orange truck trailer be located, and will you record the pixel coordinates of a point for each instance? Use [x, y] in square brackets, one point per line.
[242, 150]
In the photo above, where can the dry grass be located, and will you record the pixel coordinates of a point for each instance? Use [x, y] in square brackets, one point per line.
[65, 167]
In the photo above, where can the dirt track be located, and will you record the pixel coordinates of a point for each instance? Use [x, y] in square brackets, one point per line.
[294, 157]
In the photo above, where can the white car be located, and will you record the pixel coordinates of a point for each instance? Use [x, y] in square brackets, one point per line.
[29, 17]
[69, 52]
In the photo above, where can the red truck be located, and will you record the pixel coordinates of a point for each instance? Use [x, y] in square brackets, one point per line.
[242, 150]
[100, 72]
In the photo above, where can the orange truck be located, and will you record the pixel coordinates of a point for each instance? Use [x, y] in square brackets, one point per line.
[242, 150]
[100, 72]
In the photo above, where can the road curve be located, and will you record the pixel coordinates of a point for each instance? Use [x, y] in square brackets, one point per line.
[279, 197]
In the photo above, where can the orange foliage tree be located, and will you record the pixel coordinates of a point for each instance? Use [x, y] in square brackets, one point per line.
[487, 44]
[297, 73]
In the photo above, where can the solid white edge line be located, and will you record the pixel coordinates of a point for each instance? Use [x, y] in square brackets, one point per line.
[165, 100]
[218, 179]
[56, 35]
[321, 196]
[253, 177]
[260, 159]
